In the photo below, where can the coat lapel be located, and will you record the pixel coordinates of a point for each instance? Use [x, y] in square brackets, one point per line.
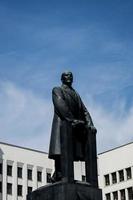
[71, 95]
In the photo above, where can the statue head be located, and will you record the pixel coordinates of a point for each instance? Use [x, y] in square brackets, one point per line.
[67, 78]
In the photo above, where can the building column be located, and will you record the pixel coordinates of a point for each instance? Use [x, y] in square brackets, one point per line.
[110, 179]
[34, 176]
[14, 185]
[24, 181]
[126, 194]
[125, 176]
[4, 177]
[44, 173]
[44, 176]
[119, 196]
[82, 169]
[117, 176]
[132, 172]
[111, 194]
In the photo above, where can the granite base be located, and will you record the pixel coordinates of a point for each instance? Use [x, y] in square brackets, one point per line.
[66, 191]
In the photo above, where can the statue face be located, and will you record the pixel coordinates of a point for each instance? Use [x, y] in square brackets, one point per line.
[67, 78]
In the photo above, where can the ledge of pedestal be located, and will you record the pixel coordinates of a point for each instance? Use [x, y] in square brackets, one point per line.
[66, 191]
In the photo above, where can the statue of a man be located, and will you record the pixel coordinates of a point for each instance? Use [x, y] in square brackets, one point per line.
[69, 109]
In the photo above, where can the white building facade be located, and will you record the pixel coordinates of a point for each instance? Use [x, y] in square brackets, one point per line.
[116, 173]
[23, 170]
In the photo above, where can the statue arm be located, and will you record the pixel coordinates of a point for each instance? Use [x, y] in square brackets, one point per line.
[87, 116]
[60, 105]
[88, 119]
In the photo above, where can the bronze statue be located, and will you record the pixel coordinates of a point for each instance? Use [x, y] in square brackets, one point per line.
[73, 136]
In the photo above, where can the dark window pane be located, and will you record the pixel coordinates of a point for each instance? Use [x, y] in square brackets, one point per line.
[83, 178]
[107, 181]
[114, 178]
[29, 190]
[115, 195]
[19, 172]
[122, 193]
[128, 172]
[0, 168]
[39, 176]
[19, 190]
[121, 175]
[48, 178]
[130, 193]
[0, 187]
[108, 197]
[29, 174]
[9, 188]
[9, 170]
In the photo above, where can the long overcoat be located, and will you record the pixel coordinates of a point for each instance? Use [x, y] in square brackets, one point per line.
[67, 107]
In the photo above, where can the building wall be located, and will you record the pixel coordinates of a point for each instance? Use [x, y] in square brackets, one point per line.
[37, 162]
[14, 157]
[27, 160]
[116, 173]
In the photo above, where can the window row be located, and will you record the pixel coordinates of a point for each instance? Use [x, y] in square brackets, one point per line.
[115, 179]
[29, 173]
[19, 189]
[122, 194]
[9, 186]
[19, 173]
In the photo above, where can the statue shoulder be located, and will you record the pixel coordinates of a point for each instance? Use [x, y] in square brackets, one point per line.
[77, 93]
[57, 90]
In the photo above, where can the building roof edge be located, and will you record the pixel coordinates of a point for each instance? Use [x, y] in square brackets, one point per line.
[26, 148]
[115, 148]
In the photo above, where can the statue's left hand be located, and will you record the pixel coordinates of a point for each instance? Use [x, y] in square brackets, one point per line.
[77, 122]
[92, 129]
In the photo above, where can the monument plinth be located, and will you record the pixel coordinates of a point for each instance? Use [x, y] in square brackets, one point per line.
[66, 191]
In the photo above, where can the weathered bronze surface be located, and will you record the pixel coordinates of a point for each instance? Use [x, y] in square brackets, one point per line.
[73, 135]
[73, 138]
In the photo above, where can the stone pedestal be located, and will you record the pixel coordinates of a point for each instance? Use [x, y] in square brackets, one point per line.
[66, 191]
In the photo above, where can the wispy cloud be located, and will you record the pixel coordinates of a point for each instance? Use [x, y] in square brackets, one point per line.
[39, 41]
[113, 129]
[25, 119]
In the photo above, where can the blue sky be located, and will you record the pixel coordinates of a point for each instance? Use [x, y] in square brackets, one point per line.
[41, 39]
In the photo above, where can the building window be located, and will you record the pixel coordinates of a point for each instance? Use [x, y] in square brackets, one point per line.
[19, 190]
[29, 174]
[122, 193]
[107, 181]
[108, 197]
[130, 193]
[0, 168]
[9, 188]
[114, 178]
[0, 187]
[83, 178]
[39, 176]
[19, 172]
[128, 173]
[121, 175]
[9, 170]
[29, 189]
[48, 177]
[115, 195]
